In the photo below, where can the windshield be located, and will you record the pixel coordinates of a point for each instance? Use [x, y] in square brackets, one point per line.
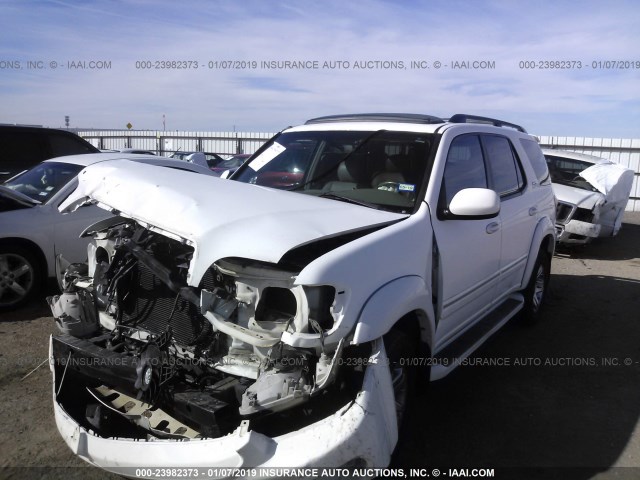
[566, 171]
[381, 169]
[43, 181]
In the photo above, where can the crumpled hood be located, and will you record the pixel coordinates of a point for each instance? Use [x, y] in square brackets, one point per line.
[611, 179]
[577, 196]
[223, 218]
[18, 199]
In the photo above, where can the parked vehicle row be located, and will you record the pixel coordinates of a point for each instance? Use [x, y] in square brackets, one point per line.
[141, 151]
[205, 159]
[226, 167]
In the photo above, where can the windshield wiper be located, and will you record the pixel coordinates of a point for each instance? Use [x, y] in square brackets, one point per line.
[336, 196]
[342, 160]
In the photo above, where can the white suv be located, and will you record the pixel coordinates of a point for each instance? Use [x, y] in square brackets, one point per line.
[274, 319]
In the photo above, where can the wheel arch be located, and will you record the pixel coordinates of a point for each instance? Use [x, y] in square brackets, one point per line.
[32, 247]
[405, 304]
[543, 238]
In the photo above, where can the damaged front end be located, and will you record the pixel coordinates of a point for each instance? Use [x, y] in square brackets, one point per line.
[577, 225]
[590, 204]
[152, 371]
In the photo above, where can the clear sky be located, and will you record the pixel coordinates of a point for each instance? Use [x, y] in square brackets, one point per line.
[375, 41]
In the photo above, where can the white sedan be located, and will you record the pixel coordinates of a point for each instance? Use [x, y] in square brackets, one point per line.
[592, 194]
[32, 230]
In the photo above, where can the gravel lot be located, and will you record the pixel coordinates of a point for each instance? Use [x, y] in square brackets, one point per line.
[562, 395]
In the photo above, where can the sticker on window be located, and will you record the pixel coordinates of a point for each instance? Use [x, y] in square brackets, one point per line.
[406, 187]
[265, 157]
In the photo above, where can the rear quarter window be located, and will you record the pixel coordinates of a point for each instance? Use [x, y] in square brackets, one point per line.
[62, 145]
[537, 160]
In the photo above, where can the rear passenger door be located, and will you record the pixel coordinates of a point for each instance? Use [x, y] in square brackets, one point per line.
[518, 215]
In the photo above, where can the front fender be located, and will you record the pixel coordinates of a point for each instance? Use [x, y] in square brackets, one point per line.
[390, 303]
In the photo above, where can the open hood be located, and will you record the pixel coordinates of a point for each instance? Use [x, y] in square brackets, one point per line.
[613, 180]
[222, 218]
[18, 199]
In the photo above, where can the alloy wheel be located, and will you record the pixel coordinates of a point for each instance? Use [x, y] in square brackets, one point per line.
[16, 278]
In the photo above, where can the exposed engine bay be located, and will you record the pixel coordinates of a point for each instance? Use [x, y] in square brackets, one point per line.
[142, 354]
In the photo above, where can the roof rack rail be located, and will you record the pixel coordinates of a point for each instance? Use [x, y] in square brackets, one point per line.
[464, 118]
[378, 117]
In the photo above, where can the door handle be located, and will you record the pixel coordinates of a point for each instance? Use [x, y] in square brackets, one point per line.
[493, 227]
[533, 211]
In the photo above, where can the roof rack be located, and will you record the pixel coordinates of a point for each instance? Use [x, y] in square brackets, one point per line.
[378, 117]
[464, 118]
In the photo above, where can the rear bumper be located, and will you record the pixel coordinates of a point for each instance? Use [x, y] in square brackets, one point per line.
[363, 431]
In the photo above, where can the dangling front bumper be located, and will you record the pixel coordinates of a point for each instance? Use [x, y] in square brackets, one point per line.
[362, 432]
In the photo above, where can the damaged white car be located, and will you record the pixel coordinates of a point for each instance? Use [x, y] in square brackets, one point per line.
[33, 233]
[592, 194]
[287, 328]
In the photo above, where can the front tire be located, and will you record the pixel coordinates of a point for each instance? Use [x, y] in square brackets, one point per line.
[20, 277]
[401, 350]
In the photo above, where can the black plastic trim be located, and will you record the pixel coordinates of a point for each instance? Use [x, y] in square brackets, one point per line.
[378, 117]
[464, 118]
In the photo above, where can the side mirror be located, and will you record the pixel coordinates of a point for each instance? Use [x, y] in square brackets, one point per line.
[474, 204]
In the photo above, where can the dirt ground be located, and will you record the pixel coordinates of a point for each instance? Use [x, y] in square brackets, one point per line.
[560, 400]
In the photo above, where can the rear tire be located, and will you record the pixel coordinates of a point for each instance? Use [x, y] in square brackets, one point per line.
[535, 294]
[20, 276]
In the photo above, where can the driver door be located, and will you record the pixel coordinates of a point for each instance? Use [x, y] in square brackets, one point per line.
[469, 249]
